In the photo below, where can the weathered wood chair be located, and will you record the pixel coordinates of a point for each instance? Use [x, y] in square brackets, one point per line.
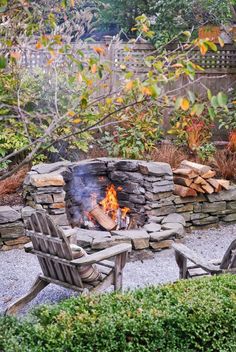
[59, 266]
[192, 264]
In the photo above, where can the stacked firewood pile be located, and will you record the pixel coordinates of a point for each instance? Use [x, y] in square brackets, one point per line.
[191, 179]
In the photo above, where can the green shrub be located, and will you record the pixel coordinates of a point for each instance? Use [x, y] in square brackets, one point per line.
[196, 315]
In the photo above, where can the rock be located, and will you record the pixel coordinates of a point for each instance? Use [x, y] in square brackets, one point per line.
[162, 235]
[165, 188]
[229, 218]
[45, 180]
[126, 176]
[139, 238]
[17, 241]
[174, 218]
[93, 233]
[126, 165]
[177, 229]
[197, 216]
[231, 205]
[57, 205]
[184, 208]
[137, 199]
[152, 197]
[199, 198]
[223, 195]
[132, 187]
[26, 212]
[156, 219]
[162, 203]
[102, 243]
[43, 198]
[52, 189]
[7, 214]
[158, 246]
[152, 227]
[89, 167]
[206, 221]
[162, 211]
[12, 230]
[210, 207]
[48, 168]
[186, 216]
[155, 168]
[58, 197]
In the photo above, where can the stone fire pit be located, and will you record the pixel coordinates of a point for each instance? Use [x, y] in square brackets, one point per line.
[62, 189]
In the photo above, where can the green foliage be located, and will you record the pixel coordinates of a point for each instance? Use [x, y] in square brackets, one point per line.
[206, 151]
[182, 14]
[136, 136]
[191, 316]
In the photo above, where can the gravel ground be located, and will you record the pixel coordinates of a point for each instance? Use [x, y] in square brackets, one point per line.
[19, 269]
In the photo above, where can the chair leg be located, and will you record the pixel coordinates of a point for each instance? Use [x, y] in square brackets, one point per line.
[21, 302]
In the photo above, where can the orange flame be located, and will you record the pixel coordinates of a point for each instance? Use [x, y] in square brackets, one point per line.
[110, 203]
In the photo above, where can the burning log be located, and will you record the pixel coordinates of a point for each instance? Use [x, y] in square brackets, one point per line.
[102, 218]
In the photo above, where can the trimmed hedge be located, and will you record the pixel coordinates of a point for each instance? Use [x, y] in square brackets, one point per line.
[191, 315]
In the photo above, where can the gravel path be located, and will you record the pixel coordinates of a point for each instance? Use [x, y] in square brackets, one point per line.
[18, 269]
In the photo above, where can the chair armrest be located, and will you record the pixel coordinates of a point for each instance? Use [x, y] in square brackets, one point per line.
[196, 258]
[102, 255]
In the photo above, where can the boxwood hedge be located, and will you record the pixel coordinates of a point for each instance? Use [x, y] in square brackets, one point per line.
[191, 315]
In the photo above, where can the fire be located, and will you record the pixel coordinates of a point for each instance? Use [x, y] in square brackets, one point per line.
[110, 203]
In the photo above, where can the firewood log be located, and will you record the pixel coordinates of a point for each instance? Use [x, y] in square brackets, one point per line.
[185, 172]
[224, 183]
[209, 174]
[197, 188]
[102, 218]
[200, 181]
[184, 181]
[184, 191]
[199, 168]
[208, 188]
[215, 183]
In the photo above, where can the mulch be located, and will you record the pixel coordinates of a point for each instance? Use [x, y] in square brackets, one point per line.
[11, 199]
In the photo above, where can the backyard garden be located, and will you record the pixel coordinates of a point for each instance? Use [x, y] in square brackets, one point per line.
[117, 170]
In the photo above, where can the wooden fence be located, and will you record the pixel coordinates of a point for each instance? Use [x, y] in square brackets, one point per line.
[219, 67]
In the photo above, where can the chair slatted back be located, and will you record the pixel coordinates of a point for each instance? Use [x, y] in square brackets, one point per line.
[52, 249]
[229, 259]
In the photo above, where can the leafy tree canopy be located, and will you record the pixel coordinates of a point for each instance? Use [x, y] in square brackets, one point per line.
[167, 17]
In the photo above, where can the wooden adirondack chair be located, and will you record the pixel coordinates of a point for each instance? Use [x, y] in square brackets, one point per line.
[55, 256]
[192, 264]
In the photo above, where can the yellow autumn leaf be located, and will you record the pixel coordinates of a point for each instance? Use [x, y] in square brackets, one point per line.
[185, 104]
[38, 45]
[146, 91]
[119, 100]
[99, 50]
[145, 28]
[94, 68]
[178, 65]
[77, 120]
[221, 42]
[50, 61]
[203, 49]
[129, 85]
[71, 113]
